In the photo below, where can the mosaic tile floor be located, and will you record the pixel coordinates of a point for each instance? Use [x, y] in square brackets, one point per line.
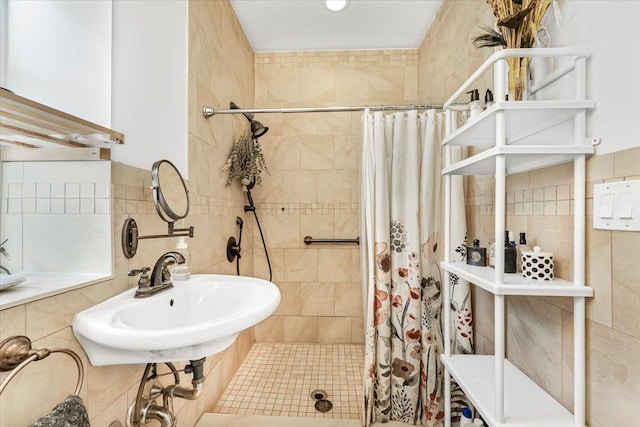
[277, 379]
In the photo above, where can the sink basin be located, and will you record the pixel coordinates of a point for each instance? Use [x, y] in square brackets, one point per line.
[198, 317]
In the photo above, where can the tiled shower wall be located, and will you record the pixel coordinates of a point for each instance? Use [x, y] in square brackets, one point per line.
[540, 203]
[313, 185]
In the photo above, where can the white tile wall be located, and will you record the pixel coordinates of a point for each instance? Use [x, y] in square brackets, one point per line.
[57, 216]
[69, 197]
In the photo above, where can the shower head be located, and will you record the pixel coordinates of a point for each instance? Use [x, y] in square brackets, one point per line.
[257, 128]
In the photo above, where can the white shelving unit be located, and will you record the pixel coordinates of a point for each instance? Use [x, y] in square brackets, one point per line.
[519, 136]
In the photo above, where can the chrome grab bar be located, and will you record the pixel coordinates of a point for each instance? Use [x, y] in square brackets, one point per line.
[309, 240]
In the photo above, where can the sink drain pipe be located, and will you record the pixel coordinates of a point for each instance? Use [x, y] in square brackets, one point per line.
[196, 367]
[145, 409]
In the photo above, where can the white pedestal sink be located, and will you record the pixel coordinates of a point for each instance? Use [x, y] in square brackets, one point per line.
[196, 318]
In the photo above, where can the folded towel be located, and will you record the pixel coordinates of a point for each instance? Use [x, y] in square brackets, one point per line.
[69, 413]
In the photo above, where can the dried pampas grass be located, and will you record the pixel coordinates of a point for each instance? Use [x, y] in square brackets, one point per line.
[519, 24]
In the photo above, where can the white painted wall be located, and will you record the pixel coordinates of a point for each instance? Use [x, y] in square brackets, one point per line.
[58, 53]
[610, 29]
[149, 86]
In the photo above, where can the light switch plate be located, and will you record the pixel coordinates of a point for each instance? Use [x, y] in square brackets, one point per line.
[616, 206]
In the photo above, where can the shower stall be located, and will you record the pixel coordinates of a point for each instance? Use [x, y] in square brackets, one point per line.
[315, 341]
[308, 357]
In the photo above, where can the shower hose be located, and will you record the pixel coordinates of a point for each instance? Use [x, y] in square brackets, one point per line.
[251, 207]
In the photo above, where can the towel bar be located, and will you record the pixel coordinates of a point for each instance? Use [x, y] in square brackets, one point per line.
[309, 240]
[16, 353]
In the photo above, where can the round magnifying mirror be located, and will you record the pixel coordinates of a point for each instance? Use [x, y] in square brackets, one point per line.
[170, 193]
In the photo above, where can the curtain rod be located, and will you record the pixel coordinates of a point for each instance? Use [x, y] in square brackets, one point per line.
[208, 111]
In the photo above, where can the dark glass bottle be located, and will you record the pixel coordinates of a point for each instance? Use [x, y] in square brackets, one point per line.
[510, 255]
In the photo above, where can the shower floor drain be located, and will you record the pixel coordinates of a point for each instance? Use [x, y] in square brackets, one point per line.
[318, 394]
[323, 405]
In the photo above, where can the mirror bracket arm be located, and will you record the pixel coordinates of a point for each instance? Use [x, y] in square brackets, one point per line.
[130, 236]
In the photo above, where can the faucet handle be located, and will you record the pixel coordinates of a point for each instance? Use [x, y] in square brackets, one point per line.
[144, 280]
[166, 272]
[143, 271]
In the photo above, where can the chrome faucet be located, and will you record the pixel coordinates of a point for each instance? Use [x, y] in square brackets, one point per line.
[160, 275]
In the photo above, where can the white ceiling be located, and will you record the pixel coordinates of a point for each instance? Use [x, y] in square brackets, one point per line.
[283, 25]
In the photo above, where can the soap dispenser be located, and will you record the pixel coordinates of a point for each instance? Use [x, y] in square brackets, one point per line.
[488, 99]
[475, 108]
[182, 271]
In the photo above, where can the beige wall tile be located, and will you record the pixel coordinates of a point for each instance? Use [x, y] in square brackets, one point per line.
[348, 299]
[334, 124]
[13, 322]
[567, 360]
[334, 265]
[270, 330]
[300, 329]
[626, 162]
[352, 84]
[483, 313]
[534, 337]
[281, 152]
[346, 152]
[316, 152]
[552, 176]
[598, 275]
[212, 389]
[106, 384]
[317, 299]
[613, 389]
[284, 85]
[335, 186]
[300, 186]
[261, 267]
[188, 414]
[626, 282]
[347, 226]
[301, 124]
[282, 231]
[334, 330]
[386, 83]
[318, 84]
[300, 265]
[115, 412]
[290, 302]
[317, 226]
[600, 167]
[357, 330]
[272, 189]
[49, 315]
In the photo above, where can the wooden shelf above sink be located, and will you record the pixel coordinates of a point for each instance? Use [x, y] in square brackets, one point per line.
[31, 131]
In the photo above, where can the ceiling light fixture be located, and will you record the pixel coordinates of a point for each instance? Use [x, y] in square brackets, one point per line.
[336, 5]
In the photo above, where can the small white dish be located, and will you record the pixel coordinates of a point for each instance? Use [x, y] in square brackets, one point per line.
[10, 280]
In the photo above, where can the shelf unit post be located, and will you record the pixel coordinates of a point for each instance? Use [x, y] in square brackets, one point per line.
[579, 229]
[500, 226]
[447, 278]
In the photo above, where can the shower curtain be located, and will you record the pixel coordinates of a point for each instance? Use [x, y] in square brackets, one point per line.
[402, 207]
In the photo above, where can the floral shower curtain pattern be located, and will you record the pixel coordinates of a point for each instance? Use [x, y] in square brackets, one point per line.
[402, 206]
